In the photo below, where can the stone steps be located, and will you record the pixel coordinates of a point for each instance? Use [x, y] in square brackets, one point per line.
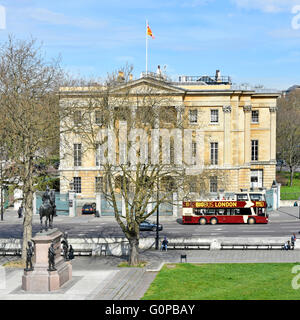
[122, 285]
[142, 286]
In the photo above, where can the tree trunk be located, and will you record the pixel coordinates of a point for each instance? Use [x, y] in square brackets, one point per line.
[27, 224]
[291, 176]
[134, 252]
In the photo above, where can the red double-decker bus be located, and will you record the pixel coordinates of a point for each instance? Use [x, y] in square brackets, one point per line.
[244, 208]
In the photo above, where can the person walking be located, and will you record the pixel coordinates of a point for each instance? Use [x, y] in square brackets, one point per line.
[20, 212]
[164, 244]
[293, 239]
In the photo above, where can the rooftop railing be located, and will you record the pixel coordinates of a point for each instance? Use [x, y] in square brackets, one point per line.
[213, 80]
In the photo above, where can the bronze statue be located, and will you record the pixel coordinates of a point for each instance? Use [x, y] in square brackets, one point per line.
[71, 253]
[29, 254]
[47, 209]
[51, 258]
[65, 246]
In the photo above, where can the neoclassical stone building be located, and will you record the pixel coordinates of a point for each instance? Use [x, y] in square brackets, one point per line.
[238, 125]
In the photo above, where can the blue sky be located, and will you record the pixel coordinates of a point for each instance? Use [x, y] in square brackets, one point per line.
[252, 41]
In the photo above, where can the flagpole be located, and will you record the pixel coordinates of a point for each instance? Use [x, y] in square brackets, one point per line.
[146, 48]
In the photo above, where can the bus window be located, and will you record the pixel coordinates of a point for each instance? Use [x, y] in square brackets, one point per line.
[245, 211]
[221, 212]
[242, 197]
[210, 212]
[257, 197]
[260, 211]
[198, 212]
[234, 212]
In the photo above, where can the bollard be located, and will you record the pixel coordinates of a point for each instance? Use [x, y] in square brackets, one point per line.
[183, 256]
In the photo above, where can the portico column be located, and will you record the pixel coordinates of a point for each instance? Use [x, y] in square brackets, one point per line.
[247, 146]
[227, 135]
[273, 133]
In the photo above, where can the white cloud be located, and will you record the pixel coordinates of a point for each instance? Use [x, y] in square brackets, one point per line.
[45, 15]
[268, 6]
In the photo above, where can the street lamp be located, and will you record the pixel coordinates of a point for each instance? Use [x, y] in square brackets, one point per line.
[157, 217]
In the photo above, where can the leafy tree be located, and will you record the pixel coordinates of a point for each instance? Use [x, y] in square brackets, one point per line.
[288, 131]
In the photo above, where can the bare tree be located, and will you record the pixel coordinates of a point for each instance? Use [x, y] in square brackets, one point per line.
[288, 131]
[29, 114]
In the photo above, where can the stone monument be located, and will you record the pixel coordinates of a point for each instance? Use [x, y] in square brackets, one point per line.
[44, 277]
[50, 269]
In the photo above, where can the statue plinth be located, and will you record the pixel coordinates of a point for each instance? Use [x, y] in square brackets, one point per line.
[40, 279]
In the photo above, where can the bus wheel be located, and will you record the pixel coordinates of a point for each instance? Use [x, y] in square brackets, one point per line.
[213, 221]
[251, 221]
[202, 221]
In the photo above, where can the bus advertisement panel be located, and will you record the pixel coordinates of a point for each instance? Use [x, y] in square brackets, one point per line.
[224, 211]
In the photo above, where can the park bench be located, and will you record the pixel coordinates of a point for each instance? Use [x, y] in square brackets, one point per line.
[82, 251]
[189, 245]
[10, 251]
[252, 246]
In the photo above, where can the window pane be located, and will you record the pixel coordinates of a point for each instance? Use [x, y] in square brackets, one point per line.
[213, 184]
[254, 150]
[193, 116]
[77, 117]
[77, 154]
[98, 117]
[98, 184]
[255, 116]
[214, 153]
[77, 184]
[214, 116]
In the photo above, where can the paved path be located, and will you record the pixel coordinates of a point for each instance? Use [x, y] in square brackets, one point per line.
[100, 278]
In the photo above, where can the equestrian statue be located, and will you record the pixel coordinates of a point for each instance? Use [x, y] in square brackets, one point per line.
[47, 209]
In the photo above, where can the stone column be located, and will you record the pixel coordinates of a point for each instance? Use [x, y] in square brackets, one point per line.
[34, 204]
[273, 133]
[227, 135]
[247, 142]
[72, 204]
[98, 202]
[175, 204]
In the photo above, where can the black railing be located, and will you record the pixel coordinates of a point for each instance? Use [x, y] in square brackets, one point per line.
[206, 79]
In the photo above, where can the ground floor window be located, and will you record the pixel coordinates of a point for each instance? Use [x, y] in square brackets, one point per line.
[77, 184]
[256, 179]
[213, 185]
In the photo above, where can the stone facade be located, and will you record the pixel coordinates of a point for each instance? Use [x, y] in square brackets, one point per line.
[242, 123]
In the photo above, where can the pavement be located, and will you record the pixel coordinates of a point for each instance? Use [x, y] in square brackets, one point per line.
[101, 278]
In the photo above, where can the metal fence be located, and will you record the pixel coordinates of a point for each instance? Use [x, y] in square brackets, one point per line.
[290, 196]
[269, 199]
[61, 202]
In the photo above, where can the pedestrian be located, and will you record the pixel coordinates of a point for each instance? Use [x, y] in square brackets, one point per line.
[164, 244]
[20, 212]
[287, 246]
[293, 239]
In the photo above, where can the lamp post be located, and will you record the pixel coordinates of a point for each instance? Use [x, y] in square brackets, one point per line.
[157, 217]
[2, 202]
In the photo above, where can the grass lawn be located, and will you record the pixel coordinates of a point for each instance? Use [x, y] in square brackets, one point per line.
[236, 281]
[289, 193]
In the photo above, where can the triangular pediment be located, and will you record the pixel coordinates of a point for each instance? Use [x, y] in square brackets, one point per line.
[149, 86]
